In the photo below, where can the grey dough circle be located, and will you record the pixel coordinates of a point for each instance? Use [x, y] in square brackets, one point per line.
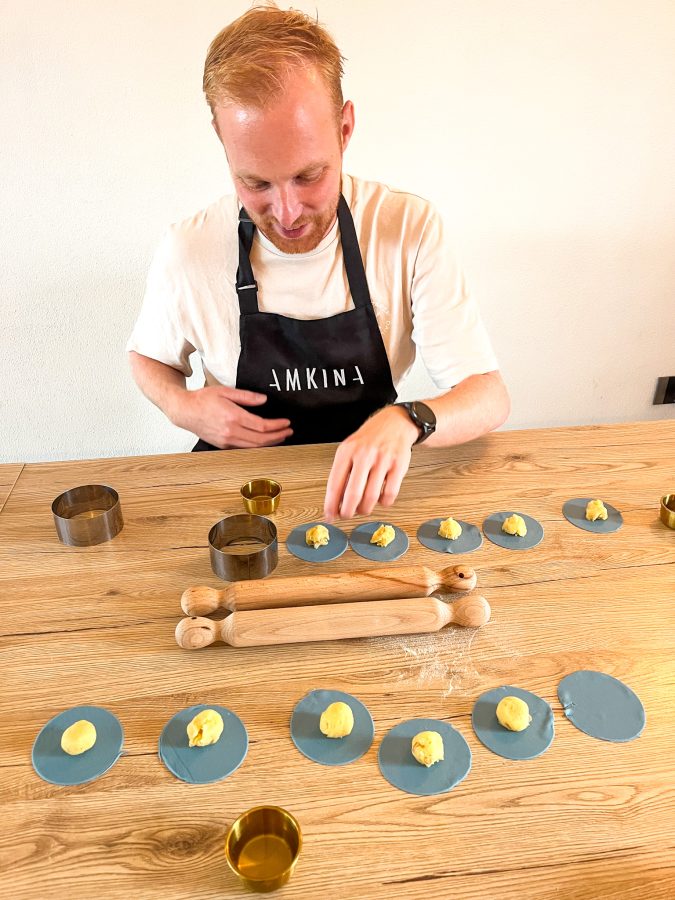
[527, 744]
[203, 765]
[400, 768]
[298, 546]
[470, 539]
[575, 512]
[360, 542]
[312, 743]
[492, 529]
[602, 706]
[56, 766]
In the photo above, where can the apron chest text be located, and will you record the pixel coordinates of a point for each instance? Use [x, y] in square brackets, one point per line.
[314, 379]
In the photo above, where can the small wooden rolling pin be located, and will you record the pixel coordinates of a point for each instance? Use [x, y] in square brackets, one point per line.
[310, 590]
[259, 627]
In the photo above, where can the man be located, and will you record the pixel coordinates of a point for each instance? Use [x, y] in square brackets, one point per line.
[308, 293]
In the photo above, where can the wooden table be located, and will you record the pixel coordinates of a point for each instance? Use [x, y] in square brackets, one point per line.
[9, 475]
[586, 819]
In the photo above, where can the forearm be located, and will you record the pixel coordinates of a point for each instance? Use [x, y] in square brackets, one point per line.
[162, 385]
[475, 406]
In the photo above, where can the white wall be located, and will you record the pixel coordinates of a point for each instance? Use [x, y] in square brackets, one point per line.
[543, 129]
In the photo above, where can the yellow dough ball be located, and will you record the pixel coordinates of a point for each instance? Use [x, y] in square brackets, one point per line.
[78, 737]
[513, 713]
[595, 509]
[515, 524]
[337, 720]
[317, 537]
[450, 528]
[383, 536]
[427, 748]
[205, 728]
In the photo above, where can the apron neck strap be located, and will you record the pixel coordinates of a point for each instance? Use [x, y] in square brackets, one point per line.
[247, 286]
[356, 274]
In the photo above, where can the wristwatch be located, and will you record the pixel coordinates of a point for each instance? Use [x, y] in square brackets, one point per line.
[423, 416]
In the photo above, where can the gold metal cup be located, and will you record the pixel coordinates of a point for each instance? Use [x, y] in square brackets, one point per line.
[262, 847]
[668, 510]
[261, 496]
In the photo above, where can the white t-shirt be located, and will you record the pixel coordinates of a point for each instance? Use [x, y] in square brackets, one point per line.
[417, 288]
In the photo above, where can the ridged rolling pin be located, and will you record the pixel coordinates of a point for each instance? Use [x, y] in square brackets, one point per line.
[337, 621]
[386, 583]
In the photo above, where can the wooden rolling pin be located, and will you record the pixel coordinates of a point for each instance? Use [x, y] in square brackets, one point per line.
[295, 624]
[386, 583]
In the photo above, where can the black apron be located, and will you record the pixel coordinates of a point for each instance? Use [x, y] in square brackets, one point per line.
[327, 376]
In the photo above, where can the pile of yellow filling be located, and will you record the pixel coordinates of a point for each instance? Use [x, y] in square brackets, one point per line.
[78, 738]
[427, 748]
[595, 509]
[206, 728]
[515, 525]
[450, 528]
[383, 536]
[513, 713]
[317, 536]
[337, 720]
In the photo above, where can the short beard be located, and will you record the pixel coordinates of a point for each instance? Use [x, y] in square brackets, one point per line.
[321, 223]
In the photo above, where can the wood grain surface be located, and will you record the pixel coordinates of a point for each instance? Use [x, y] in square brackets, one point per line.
[9, 474]
[588, 819]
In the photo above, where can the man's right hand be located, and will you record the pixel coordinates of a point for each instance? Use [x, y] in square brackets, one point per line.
[215, 414]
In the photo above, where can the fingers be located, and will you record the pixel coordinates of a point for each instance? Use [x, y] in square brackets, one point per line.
[245, 437]
[264, 439]
[359, 480]
[374, 487]
[250, 420]
[243, 443]
[257, 423]
[246, 398]
[362, 467]
[218, 417]
[335, 488]
[393, 480]
[382, 485]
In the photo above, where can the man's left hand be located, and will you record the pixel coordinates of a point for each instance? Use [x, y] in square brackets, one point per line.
[370, 465]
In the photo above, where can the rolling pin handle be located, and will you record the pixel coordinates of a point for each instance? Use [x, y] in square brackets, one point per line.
[472, 611]
[458, 578]
[201, 600]
[196, 632]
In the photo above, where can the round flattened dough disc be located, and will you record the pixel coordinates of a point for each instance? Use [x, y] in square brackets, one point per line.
[470, 539]
[298, 546]
[400, 768]
[575, 512]
[360, 541]
[492, 529]
[313, 744]
[203, 765]
[602, 706]
[57, 767]
[527, 744]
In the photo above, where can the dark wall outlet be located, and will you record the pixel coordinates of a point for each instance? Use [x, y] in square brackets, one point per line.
[665, 390]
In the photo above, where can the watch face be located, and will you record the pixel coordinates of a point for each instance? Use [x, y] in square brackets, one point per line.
[424, 416]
